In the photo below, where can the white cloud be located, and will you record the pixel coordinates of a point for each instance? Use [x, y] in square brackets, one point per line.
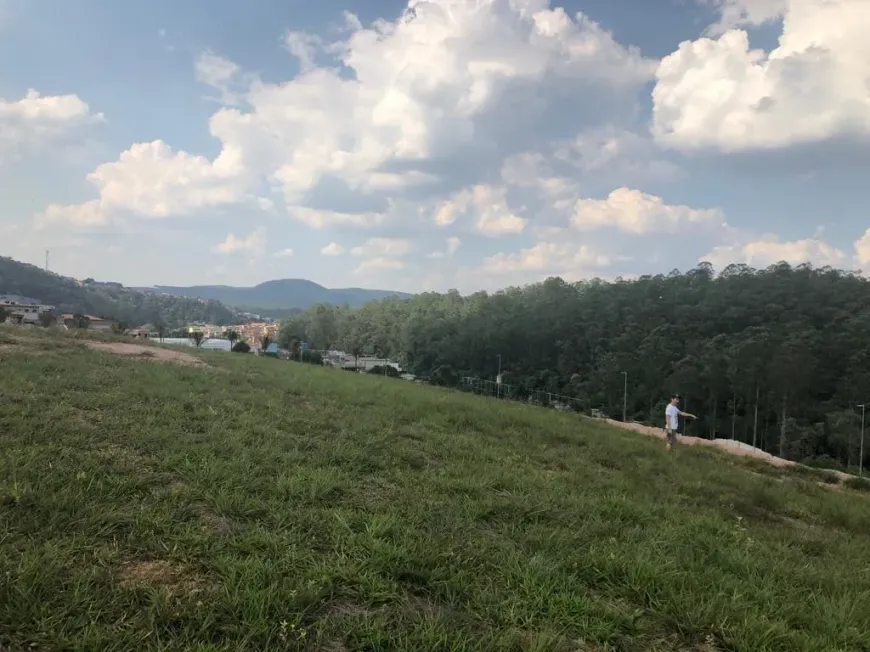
[284, 253]
[769, 250]
[547, 257]
[304, 47]
[379, 264]
[88, 214]
[494, 217]
[219, 73]
[452, 245]
[617, 152]
[862, 249]
[332, 249]
[441, 78]
[534, 171]
[38, 120]
[150, 180]
[380, 255]
[318, 219]
[383, 247]
[448, 210]
[719, 93]
[153, 181]
[735, 13]
[637, 213]
[252, 245]
[462, 118]
[406, 121]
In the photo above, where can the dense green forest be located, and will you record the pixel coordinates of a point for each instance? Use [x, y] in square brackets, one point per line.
[791, 341]
[109, 300]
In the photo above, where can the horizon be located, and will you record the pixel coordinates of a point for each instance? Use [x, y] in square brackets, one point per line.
[716, 274]
[424, 146]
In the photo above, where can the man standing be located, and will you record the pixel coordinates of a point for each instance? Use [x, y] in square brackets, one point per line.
[672, 420]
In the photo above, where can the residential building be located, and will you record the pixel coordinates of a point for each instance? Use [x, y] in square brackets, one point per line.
[253, 333]
[24, 310]
[97, 324]
[143, 332]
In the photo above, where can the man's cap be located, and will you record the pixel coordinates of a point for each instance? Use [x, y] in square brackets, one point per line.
[676, 396]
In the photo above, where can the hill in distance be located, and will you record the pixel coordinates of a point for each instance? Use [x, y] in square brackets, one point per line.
[279, 295]
[386, 515]
[109, 300]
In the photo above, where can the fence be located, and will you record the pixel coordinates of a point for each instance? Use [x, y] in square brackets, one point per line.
[522, 395]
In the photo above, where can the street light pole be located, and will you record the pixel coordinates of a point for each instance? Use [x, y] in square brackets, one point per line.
[625, 396]
[861, 446]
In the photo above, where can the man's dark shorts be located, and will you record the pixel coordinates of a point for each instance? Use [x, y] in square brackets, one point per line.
[672, 436]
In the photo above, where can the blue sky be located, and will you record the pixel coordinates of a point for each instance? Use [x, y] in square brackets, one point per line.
[417, 146]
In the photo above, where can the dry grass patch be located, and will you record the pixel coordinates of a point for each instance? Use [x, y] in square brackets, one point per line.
[121, 456]
[149, 352]
[160, 573]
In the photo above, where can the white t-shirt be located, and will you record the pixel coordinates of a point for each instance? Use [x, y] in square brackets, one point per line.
[672, 414]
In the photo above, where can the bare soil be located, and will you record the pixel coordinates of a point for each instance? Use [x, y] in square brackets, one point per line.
[157, 572]
[149, 352]
[659, 433]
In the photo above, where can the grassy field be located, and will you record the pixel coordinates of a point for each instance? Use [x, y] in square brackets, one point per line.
[255, 504]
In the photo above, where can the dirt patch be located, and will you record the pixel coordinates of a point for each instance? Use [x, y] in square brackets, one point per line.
[684, 440]
[120, 455]
[327, 646]
[217, 524]
[159, 572]
[147, 352]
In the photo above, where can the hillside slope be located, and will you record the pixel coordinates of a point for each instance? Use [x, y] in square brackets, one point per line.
[256, 504]
[284, 294]
[777, 357]
[110, 300]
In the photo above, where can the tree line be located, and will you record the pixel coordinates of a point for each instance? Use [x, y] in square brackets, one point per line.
[779, 357]
[108, 300]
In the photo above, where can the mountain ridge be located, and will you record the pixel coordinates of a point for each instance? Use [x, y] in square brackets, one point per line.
[277, 295]
[175, 305]
[107, 299]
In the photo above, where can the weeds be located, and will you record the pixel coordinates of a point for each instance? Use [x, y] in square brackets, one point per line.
[277, 506]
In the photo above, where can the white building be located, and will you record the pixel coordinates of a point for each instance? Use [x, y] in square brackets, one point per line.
[23, 309]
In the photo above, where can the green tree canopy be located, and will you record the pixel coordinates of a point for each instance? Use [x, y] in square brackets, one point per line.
[789, 341]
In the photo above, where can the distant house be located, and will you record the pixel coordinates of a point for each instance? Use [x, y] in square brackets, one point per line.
[368, 362]
[143, 332]
[97, 324]
[23, 310]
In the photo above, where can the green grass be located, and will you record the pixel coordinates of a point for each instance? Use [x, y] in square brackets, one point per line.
[256, 504]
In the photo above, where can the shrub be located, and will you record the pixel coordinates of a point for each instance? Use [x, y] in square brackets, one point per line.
[819, 475]
[241, 347]
[824, 462]
[385, 370]
[312, 357]
[858, 484]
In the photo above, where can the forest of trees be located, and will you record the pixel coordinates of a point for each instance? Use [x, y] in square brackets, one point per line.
[108, 300]
[791, 342]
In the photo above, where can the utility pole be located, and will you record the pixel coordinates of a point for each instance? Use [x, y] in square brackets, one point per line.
[46, 260]
[755, 424]
[861, 446]
[625, 397]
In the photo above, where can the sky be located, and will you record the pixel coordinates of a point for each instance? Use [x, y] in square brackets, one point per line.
[433, 144]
